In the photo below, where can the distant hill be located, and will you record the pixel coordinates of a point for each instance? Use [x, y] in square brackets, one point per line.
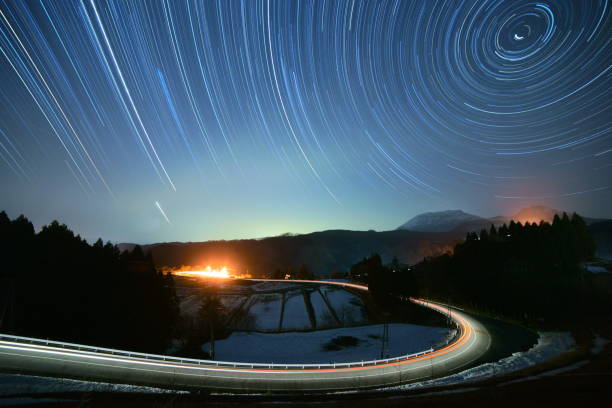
[125, 246]
[441, 221]
[322, 252]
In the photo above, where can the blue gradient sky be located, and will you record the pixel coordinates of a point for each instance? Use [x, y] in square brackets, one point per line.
[150, 121]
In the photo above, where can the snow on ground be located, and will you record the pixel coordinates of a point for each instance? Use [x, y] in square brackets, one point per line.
[281, 347]
[274, 285]
[599, 343]
[597, 269]
[323, 316]
[550, 345]
[15, 384]
[348, 307]
[266, 310]
[295, 316]
[231, 302]
[190, 304]
[263, 311]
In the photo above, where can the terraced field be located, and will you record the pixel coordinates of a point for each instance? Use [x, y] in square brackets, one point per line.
[282, 306]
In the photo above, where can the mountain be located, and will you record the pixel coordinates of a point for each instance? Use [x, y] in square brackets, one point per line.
[458, 221]
[441, 221]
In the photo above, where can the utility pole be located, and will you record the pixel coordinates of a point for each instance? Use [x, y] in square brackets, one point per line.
[212, 340]
[384, 349]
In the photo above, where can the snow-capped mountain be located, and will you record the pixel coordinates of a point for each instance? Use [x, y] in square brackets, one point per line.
[461, 222]
[441, 221]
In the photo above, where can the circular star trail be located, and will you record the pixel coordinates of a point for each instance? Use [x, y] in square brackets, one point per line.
[141, 112]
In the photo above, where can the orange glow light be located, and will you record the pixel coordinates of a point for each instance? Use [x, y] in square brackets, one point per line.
[208, 272]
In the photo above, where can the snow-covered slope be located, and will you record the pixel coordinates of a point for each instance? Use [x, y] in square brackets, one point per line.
[441, 221]
[279, 306]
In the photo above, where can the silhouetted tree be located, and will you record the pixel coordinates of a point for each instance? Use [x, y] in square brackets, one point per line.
[302, 273]
[209, 325]
[65, 289]
[530, 270]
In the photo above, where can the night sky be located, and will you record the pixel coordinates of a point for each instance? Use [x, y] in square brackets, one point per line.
[155, 120]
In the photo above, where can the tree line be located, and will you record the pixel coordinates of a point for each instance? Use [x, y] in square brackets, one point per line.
[58, 286]
[529, 272]
[385, 282]
[300, 273]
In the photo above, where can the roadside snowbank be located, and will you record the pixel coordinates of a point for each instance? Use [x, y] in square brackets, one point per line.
[599, 343]
[550, 345]
[15, 384]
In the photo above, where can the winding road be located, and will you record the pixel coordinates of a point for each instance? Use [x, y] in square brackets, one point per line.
[57, 359]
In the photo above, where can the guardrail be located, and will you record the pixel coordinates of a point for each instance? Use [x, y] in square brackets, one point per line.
[171, 359]
[231, 364]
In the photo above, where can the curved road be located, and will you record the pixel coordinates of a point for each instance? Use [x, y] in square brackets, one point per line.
[35, 356]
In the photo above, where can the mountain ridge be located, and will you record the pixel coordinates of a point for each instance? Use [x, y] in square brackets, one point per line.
[536, 213]
[439, 221]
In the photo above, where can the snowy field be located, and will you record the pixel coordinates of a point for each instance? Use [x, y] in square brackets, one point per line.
[323, 315]
[597, 269]
[190, 304]
[281, 347]
[349, 308]
[295, 316]
[231, 303]
[331, 308]
[282, 306]
[266, 311]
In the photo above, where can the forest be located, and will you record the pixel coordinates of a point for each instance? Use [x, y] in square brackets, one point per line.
[531, 272]
[57, 286]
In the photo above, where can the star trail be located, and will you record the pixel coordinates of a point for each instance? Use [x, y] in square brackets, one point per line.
[253, 118]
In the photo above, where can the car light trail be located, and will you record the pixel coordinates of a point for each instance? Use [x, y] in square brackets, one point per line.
[116, 365]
